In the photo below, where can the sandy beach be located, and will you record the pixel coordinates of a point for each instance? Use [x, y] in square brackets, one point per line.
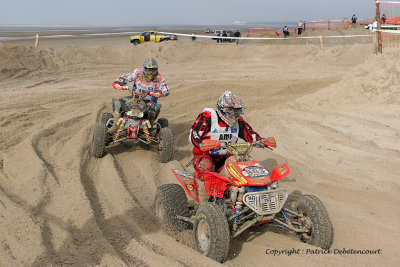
[334, 114]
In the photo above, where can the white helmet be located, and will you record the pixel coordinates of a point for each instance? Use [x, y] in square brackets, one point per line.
[229, 107]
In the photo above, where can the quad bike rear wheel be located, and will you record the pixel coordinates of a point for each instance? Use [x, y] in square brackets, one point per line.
[315, 218]
[211, 232]
[166, 146]
[99, 140]
[169, 202]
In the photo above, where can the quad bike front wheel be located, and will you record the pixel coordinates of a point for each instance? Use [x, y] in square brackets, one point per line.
[99, 140]
[313, 217]
[211, 232]
[163, 122]
[105, 118]
[169, 202]
[166, 145]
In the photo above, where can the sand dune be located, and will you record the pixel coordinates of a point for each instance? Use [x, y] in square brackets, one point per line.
[334, 113]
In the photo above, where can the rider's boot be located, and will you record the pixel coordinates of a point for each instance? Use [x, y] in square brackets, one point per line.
[117, 116]
[202, 163]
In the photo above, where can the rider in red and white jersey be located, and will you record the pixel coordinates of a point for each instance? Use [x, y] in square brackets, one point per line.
[224, 124]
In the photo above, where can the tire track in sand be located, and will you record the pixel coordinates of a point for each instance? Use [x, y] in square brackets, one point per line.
[124, 232]
[141, 173]
[41, 143]
[88, 164]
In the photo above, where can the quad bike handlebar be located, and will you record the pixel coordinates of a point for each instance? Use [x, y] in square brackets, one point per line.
[209, 144]
[140, 94]
[239, 150]
[143, 93]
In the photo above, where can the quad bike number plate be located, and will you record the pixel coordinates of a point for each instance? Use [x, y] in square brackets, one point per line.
[254, 171]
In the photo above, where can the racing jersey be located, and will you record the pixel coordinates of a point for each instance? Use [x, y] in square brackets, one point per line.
[141, 84]
[201, 129]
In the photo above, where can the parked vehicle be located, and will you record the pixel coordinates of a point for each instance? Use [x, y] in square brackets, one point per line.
[217, 33]
[223, 33]
[169, 37]
[151, 36]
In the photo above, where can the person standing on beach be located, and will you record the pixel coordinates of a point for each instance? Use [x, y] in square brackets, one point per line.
[299, 27]
[354, 20]
[383, 18]
[237, 34]
[218, 39]
[224, 34]
[145, 80]
[285, 31]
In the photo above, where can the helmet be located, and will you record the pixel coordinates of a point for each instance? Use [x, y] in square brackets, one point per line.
[229, 107]
[150, 68]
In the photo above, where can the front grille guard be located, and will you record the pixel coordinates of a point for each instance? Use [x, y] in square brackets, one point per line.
[266, 202]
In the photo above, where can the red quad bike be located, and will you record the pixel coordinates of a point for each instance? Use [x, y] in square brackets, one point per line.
[242, 195]
[137, 123]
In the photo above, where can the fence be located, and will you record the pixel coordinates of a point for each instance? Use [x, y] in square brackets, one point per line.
[320, 25]
[388, 18]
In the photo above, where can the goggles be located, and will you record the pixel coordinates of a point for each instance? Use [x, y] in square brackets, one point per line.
[233, 111]
[151, 71]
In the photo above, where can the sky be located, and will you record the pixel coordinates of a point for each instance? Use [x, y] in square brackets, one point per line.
[177, 12]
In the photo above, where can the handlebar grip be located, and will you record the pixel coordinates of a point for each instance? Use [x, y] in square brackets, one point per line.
[156, 94]
[117, 86]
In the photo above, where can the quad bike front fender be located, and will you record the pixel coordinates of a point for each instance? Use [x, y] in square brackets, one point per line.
[279, 173]
[188, 182]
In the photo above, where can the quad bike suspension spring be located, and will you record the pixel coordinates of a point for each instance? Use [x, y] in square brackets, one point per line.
[146, 132]
[238, 208]
[285, 216]
[120, 126]
[147, 135]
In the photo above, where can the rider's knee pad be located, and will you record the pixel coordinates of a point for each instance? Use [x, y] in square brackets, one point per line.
[117, 105]
[202, 163]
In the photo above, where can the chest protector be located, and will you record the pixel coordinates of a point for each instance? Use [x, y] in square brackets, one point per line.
[140, 84]
[226, 135]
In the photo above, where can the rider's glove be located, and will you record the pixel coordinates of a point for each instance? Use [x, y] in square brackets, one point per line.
[259, 143]
[269, 142]
[118, 86]
[156, 94]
